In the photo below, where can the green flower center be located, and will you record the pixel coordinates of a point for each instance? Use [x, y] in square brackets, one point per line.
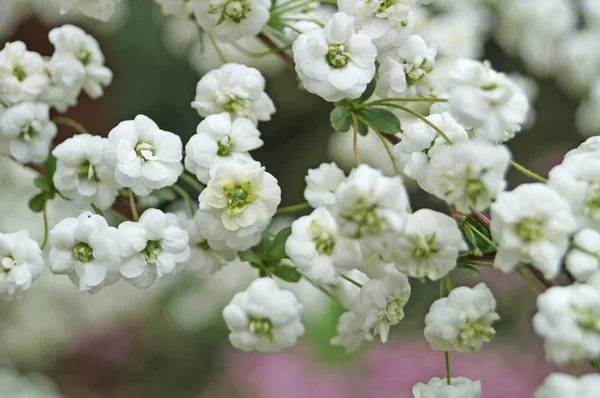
[203, 246]
[418, 73]
[238, 196]
[337, 56]
[19, 73]
[7, 263]
[86, 171]
[473, 333]
[474, 189]
[261, 327]
[365, 216]
[592, 198]
[236, 105]
[225, 146]
[385, 4]
[144, 150]
[235, 11]
[424, 247]
[394, 310]
[152, 251]
[530, 229]
[28, 132]
[82, 252]
[587, 320]
[84, 56]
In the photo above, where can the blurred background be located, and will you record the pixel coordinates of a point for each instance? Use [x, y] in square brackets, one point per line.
[170, 340]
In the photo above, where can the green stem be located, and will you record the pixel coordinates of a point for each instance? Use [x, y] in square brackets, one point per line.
[447, 360]
[327, 292]
[133, 206]
[482, 236]
[528, 282]
[66, 121]
[217, 49]
[527, 172]
[186, 197]
[385, 144]
[574, 369]
[293, 209]
[448, 280]
[423, 118]
[407, 99]
[355, 283]
[191, 181]
[355, 139]
[45, 217]
[96, 209]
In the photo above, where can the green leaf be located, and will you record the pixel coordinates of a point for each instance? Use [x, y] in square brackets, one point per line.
[251, 257]
[368, 92]
[479, 245]
[382, 119]
[164, 193]
[277, 248]
[341, 119]
[474, 271]
[363, 129]
[43, 184]
[38, 202]
[50, 167]
[287, 273]
[595, 363]
[265, 243]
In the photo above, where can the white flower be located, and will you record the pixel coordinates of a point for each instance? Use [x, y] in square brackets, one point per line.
[568, 319]
[143, 156]
[26, 132]
[577, 180]
[371, 207]
[560, 385]
[583, 260]
[86, 249]
[419, 142]
[155, 246]
[468, 175]
[386, 23]
[486, 100]
[241, 195]
[218, 139]
[532, 224]
[78, 61]
[347, 290]
[21, 262]
[264, 317]
[99, 9]
[318, 251]
[229, 20]
[176, 8]
[220, 238]
[429, 245]
[310, 17]
[335, 62]
[321, 184]
[462, 321]
[380, 303]
[22, 74]
[235, 89]
[204, 260]
[58, 95]
[351, 332]
[81, 176]
[460, 387]
[406, 67]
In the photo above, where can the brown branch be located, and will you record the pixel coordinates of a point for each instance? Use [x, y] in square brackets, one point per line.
[282, 54]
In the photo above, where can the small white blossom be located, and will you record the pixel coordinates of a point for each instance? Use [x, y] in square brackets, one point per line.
[22, 73]
[419, 142]
[386, 23]
[429, 245]
[380, 303]
[264, 318]
[306, 19]
[321, 184]
[347, 290]
[235, 89]
[204, 260]
[532, 224]
[468, 175]
[26, 132]
[318, 251]
[404, 71]
[229, 20]
[80, 174]
[78, 61]
[583, 260]
[335, 62]
[560, 385]
[143, 156]
[460, 387]
[351, 332]
[220, 238]
[21, 263]
[462, 321]
[99, 9]
[218, 139]
[155, 246]
[87, 250]
[371, 207]
[486, 100]
[568, 319]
